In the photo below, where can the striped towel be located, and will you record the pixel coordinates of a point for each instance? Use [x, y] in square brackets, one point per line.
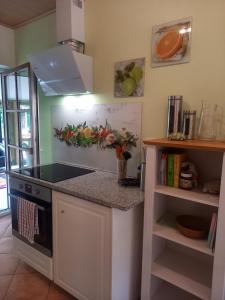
[27, 215]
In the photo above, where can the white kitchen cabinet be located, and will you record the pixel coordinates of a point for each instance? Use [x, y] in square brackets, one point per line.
[97, 249]
[174, 266]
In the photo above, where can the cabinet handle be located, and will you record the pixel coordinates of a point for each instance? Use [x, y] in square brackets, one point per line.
[62, 211]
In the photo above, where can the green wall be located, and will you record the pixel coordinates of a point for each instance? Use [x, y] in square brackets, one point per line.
[35, 36]
[31, 38]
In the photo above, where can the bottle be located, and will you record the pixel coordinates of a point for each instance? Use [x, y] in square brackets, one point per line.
[142, 183]
[139, 173]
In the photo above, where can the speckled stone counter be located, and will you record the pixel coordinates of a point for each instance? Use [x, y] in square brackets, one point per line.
[99, 187]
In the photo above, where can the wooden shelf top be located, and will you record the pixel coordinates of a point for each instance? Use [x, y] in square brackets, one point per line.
[188, 144]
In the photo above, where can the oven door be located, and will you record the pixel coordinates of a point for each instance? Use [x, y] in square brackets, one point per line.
[43, 240]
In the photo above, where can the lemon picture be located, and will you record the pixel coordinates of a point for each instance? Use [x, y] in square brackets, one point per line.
[128, 86]
[129, 78]
[136, 73]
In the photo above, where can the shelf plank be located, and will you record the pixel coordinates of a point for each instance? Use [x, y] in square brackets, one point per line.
[194, 196]
[189, 144]
[184, 271]
[169, 292]
[166, 229]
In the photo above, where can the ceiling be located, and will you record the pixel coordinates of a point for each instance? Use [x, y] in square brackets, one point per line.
[15, 13]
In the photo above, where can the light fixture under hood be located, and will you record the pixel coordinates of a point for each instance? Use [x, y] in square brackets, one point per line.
[62, 70]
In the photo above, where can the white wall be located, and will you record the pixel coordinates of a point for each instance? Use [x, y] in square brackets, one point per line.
[7, 46]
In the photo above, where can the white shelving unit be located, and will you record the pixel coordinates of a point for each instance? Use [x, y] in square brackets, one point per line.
[176, 267]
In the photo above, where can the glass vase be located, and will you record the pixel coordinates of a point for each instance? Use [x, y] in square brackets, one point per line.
[121, 168]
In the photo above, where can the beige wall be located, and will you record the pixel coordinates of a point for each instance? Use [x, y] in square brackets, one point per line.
[7, 46]
[119, 30]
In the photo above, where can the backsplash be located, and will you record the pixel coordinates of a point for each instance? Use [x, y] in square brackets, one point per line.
[118, 115]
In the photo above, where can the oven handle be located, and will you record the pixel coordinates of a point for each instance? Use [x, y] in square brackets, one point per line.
[39, 207]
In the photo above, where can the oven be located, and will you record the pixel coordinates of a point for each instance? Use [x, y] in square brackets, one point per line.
[42, 196]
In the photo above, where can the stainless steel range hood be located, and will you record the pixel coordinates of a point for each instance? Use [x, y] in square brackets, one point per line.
[62, 70]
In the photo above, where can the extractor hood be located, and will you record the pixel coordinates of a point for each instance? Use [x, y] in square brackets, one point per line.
[62, 70]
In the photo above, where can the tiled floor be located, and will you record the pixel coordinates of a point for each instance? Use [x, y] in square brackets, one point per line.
[18, 281]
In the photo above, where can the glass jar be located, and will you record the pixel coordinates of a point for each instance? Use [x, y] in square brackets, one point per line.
[186, 180]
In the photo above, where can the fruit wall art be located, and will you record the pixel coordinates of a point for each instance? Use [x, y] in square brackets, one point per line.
[171, 42]
[129, 78]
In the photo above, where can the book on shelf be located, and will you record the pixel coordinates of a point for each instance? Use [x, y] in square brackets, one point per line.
[212, 232]
[163, 169]
[170, 169]
[213, 239]
[178, 159]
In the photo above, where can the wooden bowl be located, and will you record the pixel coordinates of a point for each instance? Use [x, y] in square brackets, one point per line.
[192, 226]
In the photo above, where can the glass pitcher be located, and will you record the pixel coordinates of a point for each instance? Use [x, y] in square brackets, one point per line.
[207, 121]
[219, 123]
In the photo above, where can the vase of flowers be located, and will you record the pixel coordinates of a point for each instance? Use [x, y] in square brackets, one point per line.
[121, 141]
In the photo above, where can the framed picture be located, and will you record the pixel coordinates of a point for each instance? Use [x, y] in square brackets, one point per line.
[129, 78]
[171, 42]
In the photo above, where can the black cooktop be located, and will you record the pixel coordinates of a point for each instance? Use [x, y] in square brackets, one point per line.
[54, 172]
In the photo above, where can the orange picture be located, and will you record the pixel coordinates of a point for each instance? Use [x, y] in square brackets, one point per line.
[171, 43]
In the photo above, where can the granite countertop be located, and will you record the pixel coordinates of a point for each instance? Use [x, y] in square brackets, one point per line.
[99, 187]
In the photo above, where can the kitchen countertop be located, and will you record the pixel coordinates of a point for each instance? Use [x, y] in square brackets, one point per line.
[99, 187]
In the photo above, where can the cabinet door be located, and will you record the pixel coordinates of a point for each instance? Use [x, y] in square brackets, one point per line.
[82, 243]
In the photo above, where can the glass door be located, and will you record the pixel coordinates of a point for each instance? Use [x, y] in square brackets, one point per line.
[3, 185]
[20, 113]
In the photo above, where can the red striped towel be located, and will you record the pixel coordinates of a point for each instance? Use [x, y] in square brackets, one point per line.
[27, 215]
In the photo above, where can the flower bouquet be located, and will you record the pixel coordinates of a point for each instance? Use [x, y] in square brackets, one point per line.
[121, 141]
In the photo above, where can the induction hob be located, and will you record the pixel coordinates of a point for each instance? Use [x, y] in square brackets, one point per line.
[54, 172]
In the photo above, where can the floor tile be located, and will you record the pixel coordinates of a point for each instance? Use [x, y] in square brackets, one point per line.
[6, 245]
[3, 227]
[8, 264]
[5, 219]
[8, 231]
[4, 285]
[23, 268]
[56, 293]
[26, 287]
[4, 224]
